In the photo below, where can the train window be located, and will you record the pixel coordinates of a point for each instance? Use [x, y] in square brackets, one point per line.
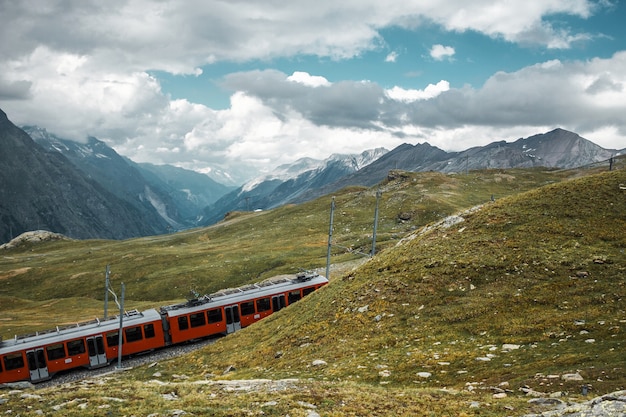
[197, 319]
[307, 291]
[0, 366]
[183, 324]
[75, 347]
[113, 339]
[13, 361]
[133, 334]
[263, 304]
[247, 308]
[294, 296]
[56, 351]
[215, 315]
[148, 331]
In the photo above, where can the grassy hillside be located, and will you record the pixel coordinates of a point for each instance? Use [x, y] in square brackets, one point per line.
[545, 270]
[518, 293]
[246, 247]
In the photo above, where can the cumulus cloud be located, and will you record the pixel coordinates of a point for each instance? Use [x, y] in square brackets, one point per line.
[391, 57]
[308, 79]
[15, 90]
[179, 37]
[431, 90]
[581, 96]
[439, 52]
[83, 68]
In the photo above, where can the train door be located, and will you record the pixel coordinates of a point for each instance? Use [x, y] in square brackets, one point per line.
[37, 365]
[233, 322]
[97, 355]
[278, 302]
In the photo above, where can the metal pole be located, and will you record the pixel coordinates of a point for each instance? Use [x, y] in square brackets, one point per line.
[119, 341]
[378, 194]
[106, 293]
[330, 237]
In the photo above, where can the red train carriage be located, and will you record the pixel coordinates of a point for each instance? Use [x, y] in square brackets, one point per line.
[91, 345]
[94, 344]
[230, 310]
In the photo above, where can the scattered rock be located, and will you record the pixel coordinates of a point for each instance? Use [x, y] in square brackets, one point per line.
[363, 309]
[546, 402]
[608, 405]
[510, 346]
[229, 368]
[424, 374]
[17, 385]
[170, 396]
[319, 362]
[572, 377]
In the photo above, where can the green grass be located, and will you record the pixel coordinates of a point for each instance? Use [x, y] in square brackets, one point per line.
[542, 267]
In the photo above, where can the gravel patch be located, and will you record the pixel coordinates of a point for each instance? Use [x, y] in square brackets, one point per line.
[127, 362]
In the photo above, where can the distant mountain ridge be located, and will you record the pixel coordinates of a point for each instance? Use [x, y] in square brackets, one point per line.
[288, 182]
[44, 190]
[89, 191]
[557, 148]
[170, 198]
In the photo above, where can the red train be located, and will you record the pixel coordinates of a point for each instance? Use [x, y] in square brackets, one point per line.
[95, 344]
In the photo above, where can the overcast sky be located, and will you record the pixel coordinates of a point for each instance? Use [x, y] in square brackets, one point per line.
[243, 86]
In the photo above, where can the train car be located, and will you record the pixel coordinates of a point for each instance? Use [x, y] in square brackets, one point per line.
[37, 357]
[229, 310]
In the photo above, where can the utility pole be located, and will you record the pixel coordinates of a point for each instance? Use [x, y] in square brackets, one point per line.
[330, 237]
[119, 336]
[378, 194]
[106, 293]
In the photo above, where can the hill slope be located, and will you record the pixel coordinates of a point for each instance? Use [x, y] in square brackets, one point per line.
[463, 317]
[529, 286]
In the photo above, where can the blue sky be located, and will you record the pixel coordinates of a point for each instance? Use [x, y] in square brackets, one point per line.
[403, 58]
[234, 89]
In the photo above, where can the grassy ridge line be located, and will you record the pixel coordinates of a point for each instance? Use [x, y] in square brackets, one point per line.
[544, 270]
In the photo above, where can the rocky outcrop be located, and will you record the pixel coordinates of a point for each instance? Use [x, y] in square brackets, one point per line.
[33, 237]
[609, 405]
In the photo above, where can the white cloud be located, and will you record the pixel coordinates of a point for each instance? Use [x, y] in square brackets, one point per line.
[88, 74]
[439, 52]
[391, 57]
[432, 90]
[307, 79]
[180, 37]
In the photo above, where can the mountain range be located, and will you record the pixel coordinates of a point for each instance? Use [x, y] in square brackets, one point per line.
[558, 148]
[87, 190]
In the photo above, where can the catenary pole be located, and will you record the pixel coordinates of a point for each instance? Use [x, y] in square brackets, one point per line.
[119, 336]
[378, 194]
[106, 293]
[330, 237]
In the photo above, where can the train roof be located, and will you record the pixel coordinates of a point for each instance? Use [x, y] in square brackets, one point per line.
[78, 330]
[247, 292]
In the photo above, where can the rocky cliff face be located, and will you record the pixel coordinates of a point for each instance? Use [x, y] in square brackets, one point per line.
[43, 190]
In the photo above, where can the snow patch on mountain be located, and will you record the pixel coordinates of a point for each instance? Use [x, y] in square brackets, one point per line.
[294, 170]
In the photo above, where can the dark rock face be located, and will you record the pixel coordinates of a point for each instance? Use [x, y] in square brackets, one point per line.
[43, 190]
